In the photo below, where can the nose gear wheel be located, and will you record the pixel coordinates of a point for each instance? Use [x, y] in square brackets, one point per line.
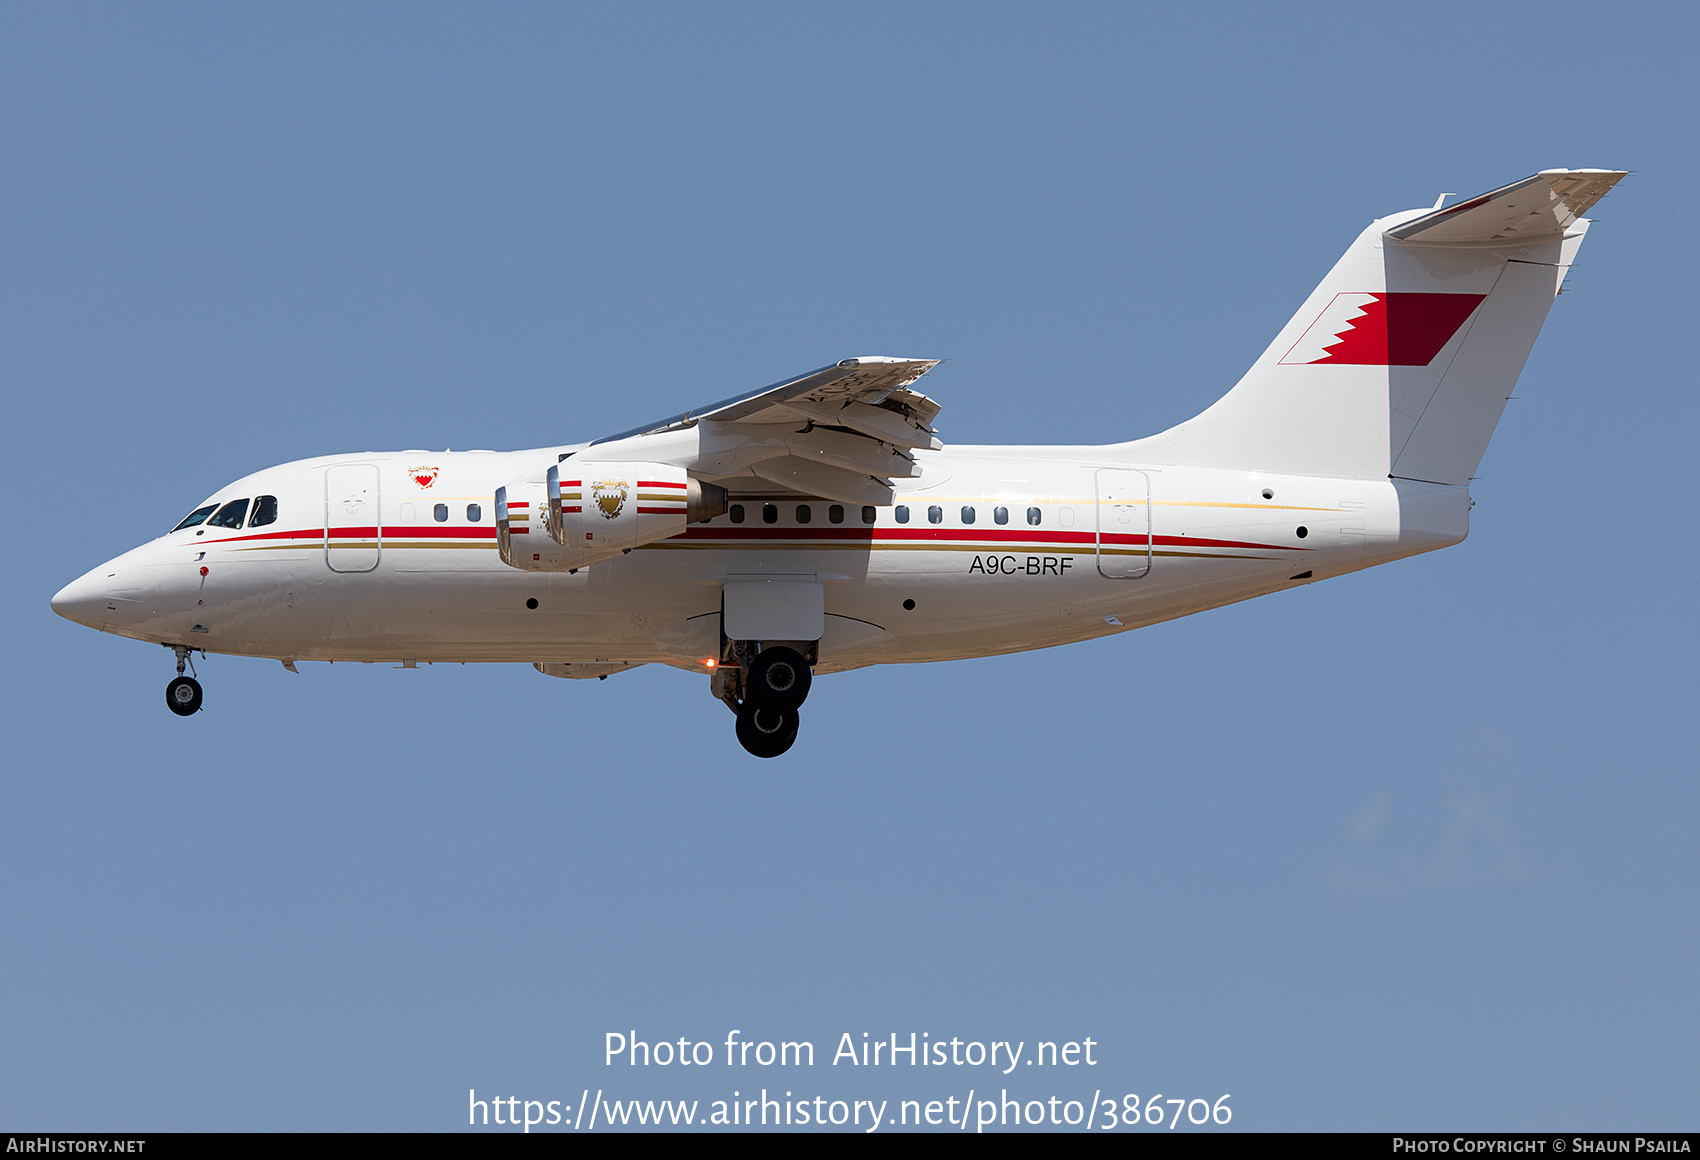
[183, 696]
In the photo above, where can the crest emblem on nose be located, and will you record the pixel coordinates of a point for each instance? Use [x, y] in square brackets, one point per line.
[423, 476]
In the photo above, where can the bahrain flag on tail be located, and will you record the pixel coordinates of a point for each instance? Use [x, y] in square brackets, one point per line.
[1390, 329]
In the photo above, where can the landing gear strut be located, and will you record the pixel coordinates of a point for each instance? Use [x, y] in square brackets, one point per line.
[183, 694]
[765, 689]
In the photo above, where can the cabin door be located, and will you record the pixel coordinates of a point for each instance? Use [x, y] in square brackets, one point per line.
[1124, 524]
[353, 525]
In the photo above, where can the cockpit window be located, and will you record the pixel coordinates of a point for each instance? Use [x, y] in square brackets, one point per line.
[265, 511]
[195, 517]
[230, 515]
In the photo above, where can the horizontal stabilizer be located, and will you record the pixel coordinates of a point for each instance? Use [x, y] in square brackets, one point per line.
[1543, 206]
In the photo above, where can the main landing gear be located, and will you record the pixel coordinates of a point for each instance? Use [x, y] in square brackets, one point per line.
[183, 694]
[766, 695]
[767, 732]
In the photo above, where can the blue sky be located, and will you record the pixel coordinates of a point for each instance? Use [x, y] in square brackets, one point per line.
[1410, 848]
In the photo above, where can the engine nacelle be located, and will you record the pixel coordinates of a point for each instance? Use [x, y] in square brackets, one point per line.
[548, 524]
[598, 510]
[522, 529]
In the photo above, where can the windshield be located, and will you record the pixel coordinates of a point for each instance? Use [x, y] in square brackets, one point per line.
[230, 515]
[195, 517]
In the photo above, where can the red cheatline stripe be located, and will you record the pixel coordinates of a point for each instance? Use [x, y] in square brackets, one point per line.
[513, 503]
[393, 531]
[1078, 540]
[297, 534]
[572, 509]
[519, 531]
[961, 535]
[660, 483]
[661, 511]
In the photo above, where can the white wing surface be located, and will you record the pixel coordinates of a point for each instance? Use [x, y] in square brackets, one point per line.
[842, 432]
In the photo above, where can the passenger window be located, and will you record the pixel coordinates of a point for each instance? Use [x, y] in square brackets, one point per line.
[835, 513]
[737, 513]
[868, 515]
[265, 511]
[1065, 517]
[902, 513]
[804, 515]
[967, 515]
[1033, 516]
[195, 517]
[769, 513]
[230, 515]
[440, 513]
[406, 513]
[474, 513]
[935, 514]
[1000, 515]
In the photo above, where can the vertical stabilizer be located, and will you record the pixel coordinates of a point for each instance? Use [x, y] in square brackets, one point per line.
[1400, 362]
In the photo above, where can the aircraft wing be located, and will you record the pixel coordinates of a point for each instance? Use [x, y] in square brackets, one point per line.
[841, 432]
[842, 394]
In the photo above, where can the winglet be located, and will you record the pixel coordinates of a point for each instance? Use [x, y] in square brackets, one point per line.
[1543, 206]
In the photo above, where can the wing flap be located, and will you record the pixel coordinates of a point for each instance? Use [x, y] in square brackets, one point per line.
[882, 423]
[842, 432]
[824, 480]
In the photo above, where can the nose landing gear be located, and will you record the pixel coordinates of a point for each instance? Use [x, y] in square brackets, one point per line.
[765, 690]
[183, 694]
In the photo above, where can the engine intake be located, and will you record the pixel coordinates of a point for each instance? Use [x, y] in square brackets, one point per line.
[522, 529]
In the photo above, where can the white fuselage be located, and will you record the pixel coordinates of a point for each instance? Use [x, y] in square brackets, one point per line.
[1118, 544]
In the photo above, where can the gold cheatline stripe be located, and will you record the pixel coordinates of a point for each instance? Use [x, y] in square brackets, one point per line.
[1268, 507]
[1086, 550]
[1043, 500]
[1032, 551]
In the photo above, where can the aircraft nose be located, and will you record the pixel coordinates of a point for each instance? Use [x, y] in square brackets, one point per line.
[83, 600]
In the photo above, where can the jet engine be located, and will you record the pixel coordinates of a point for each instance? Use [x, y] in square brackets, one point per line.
[600, 509]
[522, 528]
[578, 514]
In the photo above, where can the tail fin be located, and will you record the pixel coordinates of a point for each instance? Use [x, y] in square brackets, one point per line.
[1400, 362]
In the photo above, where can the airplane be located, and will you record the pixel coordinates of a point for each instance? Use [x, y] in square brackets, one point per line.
[820, 524]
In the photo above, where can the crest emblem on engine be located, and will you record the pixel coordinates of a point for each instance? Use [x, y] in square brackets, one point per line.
[423, 476]
[610, 496]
